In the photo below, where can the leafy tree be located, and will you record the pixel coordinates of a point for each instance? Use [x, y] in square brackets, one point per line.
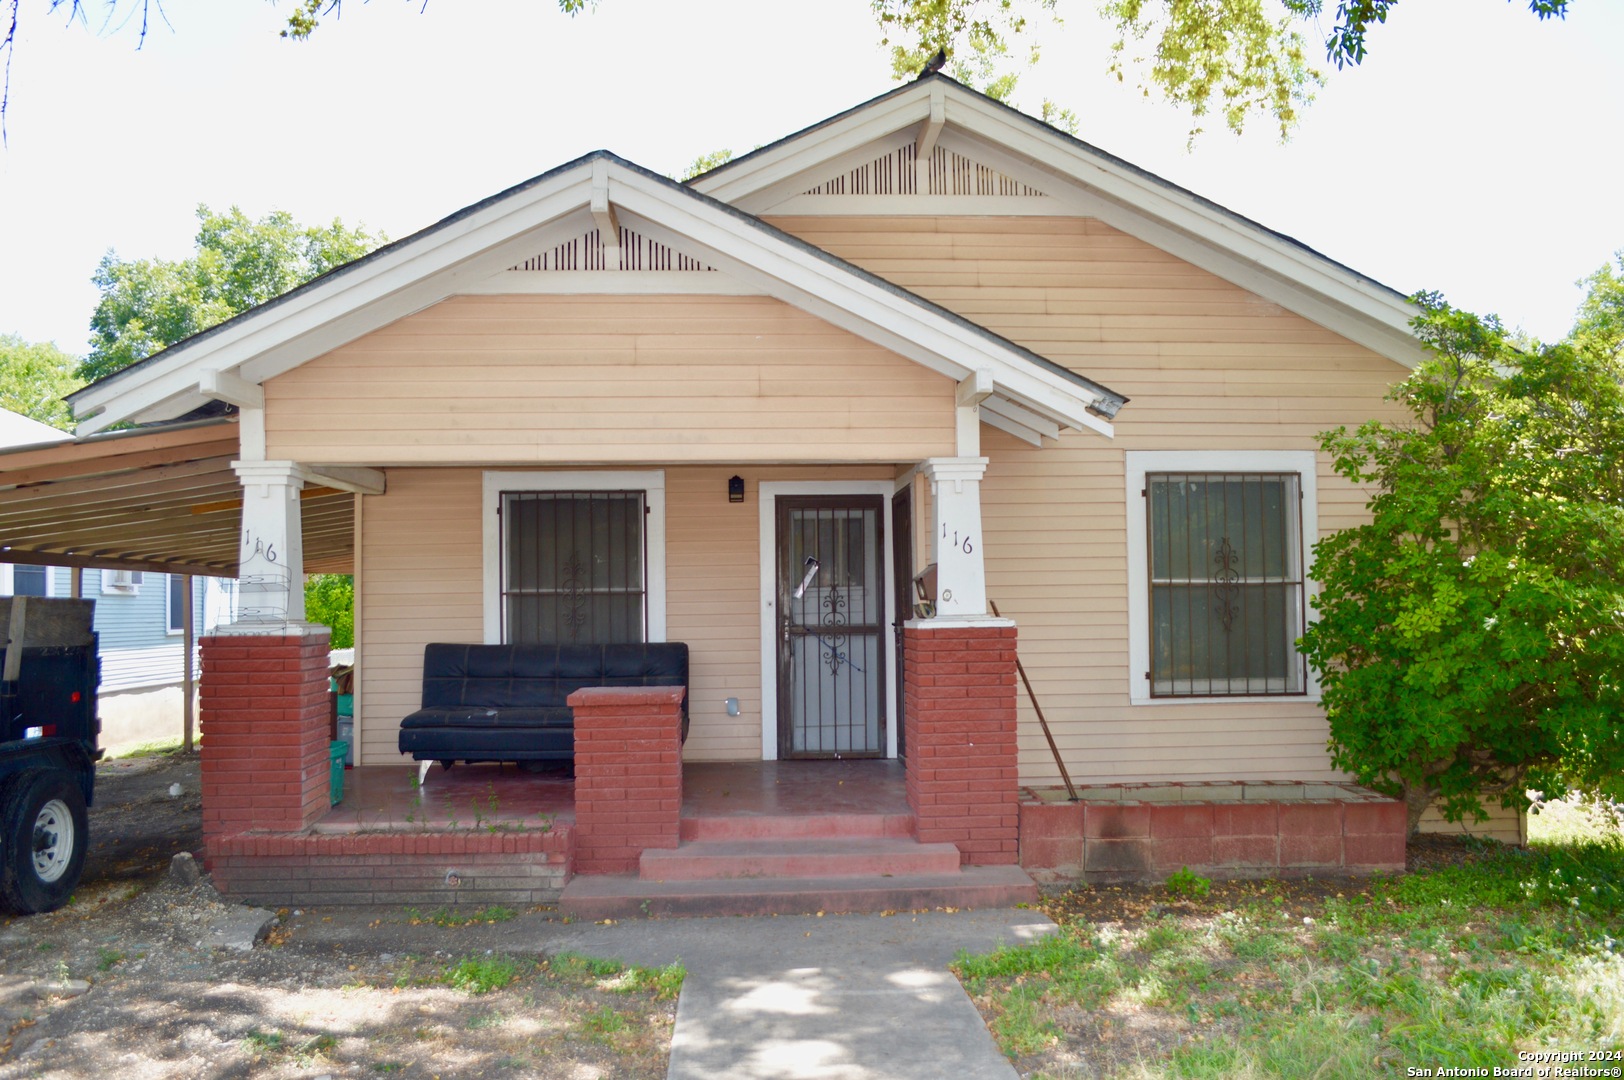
[1239, 57]
[1601, 316]
[330, 601]
[34, 378]
[1470, 640]
[149, 304]
[704, 163]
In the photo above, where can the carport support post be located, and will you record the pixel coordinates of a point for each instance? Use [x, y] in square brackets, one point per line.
[264, 711]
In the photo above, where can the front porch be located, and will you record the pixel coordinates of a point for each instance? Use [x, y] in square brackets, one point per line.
[762, 837]
[755, 837]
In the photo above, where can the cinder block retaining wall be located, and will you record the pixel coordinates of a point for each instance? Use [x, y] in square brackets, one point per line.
[442, 869]
[1217, 830]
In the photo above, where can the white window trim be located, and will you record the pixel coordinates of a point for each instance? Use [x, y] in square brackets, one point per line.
[169, 609]
[767, 496]
[1140, 462]
[111, 587]
[8, 580]
[651, 483]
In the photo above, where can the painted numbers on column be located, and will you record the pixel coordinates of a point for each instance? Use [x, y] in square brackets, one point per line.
[254, 546]
[963, 545]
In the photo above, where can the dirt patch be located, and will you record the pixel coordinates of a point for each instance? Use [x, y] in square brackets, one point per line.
[128, 980]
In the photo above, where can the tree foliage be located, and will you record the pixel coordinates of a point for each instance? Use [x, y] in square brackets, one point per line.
[1470, 639]
[1238, 57]
[1242, 58]
[330, 601]
[704, 163]
[149, 304]
[34, 378]
[1600, 325]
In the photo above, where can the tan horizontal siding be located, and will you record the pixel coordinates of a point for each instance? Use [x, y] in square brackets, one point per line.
[1506, 826]
[1207, 365]
[422, 581]
[566, 380]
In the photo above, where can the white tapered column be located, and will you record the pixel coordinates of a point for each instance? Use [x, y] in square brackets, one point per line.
[956, 541]
[270, 572]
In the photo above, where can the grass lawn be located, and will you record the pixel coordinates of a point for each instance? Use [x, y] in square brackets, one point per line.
[1478, 953]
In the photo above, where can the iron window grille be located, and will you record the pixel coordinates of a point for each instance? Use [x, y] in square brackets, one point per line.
[1226, 584]
[573, 567]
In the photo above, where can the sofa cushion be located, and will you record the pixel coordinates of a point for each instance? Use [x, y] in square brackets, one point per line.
[465, 716]
[510, 702]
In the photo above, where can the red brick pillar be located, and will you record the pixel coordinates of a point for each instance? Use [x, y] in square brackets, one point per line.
[960, 723]
[264, 718]
[628, 774]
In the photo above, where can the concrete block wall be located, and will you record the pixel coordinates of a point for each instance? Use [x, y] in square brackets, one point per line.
[1135, 841]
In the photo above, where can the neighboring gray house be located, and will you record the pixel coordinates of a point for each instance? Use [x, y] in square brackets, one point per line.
[139, 620]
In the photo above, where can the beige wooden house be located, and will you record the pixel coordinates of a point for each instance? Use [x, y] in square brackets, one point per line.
[930, 332]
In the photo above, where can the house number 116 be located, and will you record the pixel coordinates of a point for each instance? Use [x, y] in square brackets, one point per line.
[965, 546]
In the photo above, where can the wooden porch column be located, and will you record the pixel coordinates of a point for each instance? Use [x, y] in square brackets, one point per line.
[628, 774]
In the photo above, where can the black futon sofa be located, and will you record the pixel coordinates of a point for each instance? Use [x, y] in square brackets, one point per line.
[508, 702]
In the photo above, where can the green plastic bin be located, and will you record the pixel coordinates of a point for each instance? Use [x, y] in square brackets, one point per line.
[337, 752]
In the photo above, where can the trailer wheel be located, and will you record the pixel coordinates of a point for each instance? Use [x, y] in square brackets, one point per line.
[42, 818]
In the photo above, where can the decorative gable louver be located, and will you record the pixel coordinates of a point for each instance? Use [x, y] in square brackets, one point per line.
[636, 253]
[947, 173]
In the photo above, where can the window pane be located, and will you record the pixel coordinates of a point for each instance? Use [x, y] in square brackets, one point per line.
[573, 567]
[1226, 584]
[28, 581]
[177, 602]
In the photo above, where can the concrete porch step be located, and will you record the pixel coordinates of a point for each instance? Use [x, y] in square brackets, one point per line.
[814, 857]
[795, 826]
[624, 896]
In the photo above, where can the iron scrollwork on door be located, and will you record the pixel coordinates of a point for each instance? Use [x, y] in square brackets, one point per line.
[834, 616]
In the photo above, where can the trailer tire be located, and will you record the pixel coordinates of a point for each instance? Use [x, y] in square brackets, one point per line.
[46, 833]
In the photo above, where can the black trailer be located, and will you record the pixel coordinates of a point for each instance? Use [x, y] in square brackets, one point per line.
[48, 749]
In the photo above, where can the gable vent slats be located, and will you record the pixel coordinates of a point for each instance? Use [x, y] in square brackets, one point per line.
[946, 173]
[636, 253]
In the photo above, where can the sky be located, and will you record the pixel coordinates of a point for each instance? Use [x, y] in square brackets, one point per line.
[1475, 152]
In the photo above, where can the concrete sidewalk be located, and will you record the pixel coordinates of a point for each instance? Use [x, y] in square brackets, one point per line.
[843, 997]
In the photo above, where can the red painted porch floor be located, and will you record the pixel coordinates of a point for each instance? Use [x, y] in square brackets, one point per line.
[757, 837]
[387, 798]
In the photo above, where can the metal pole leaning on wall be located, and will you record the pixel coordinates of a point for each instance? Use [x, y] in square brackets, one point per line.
[1071, 792]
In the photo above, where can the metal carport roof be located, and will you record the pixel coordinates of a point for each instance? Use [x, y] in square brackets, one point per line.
[163, 499]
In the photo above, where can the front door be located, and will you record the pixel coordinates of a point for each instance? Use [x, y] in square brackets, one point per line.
[831, 612]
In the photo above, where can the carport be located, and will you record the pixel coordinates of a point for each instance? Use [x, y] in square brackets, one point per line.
[161, 499]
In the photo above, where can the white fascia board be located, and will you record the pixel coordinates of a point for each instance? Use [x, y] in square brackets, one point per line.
[865, 308]
[1004, 423]
[1156, 204]
[354, 303]
[1003, 413]
[816, 148]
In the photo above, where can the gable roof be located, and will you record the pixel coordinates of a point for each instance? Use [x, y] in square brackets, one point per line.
[1077, 179]
[469, 251]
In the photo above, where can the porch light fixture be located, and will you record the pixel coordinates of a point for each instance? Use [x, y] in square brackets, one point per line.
[735, 489]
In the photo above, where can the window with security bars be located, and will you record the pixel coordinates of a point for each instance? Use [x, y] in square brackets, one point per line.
[573, 568]
[1226, 584]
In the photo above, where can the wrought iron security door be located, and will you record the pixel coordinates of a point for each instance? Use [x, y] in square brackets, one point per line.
[831, 655]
